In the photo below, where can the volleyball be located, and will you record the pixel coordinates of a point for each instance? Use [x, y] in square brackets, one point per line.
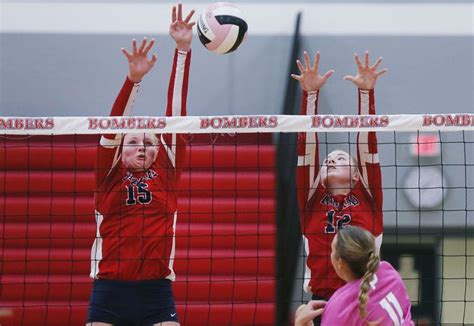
[221, 28]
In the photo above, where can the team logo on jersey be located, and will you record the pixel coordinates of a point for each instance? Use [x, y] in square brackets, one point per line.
[149, 175]
[349, 201]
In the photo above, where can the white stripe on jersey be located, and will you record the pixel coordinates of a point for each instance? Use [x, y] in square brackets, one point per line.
[172, 275]
[310, 147]
[131, 99]
[169, 151]
[363, 145]
[178, 84]
[96, 251]
[364, 102]
[110, 143]
[307, 272]
[370, 158]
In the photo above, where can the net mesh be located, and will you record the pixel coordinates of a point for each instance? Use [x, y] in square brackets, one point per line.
[225, 257]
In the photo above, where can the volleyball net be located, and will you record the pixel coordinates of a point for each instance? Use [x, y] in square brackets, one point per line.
[237, 257]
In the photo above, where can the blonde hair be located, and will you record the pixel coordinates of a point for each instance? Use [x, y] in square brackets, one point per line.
[356, 247]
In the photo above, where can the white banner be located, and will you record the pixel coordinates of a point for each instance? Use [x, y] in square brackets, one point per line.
[236, 124]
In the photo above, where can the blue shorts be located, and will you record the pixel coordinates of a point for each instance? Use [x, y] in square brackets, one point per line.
[132, 303]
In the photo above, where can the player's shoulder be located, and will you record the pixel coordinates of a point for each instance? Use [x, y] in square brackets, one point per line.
[386, 267]
[387, 274]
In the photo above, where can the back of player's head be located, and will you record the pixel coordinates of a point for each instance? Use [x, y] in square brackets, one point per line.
[356, 247]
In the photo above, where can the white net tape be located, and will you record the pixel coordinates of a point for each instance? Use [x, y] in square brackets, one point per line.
[234, 124]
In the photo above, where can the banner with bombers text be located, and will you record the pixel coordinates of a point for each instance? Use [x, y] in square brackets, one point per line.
[235, 124]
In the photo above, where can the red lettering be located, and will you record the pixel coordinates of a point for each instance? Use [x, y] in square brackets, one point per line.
[161, 123]
[439, 120]
[427, 120]
[19, 124]
[384, 121]
[315, 122]
[204, 123]
[216, 123]
[452, 120]
[273, 122]
[243, 122]
[262, 122]
[328, 121]
[229, 123]
[92, 123]
[104, 123]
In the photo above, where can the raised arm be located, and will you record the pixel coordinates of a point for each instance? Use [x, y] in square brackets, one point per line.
[308, 157]
[139, 65]
[181, 32]
[367, 153]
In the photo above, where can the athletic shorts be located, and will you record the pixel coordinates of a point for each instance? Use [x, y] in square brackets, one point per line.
[132, 303]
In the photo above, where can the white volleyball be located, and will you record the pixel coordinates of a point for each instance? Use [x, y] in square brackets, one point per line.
[221, 27]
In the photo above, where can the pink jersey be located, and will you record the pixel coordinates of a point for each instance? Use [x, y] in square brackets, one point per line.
[388, 302]
[136, 212]
[321, 213]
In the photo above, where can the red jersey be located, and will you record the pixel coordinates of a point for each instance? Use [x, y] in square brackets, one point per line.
[321, 213]
[136, 212]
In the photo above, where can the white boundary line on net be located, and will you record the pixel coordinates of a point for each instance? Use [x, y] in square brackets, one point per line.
[236, 124]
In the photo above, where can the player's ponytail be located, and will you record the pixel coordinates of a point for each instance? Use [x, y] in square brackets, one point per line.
[356, 247]
[372, 265]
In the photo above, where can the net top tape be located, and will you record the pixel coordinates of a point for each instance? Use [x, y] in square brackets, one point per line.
[236, 124]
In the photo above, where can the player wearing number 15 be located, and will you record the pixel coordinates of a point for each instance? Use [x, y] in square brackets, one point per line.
[342, 191]
[136, 202]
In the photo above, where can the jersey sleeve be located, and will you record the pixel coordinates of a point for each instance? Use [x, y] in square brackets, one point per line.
[308, 155]
[109, 146]
[174, 144]
[367, 152]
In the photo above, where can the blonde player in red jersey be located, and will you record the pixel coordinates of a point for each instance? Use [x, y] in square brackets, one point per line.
[136, 203]
[344, 191]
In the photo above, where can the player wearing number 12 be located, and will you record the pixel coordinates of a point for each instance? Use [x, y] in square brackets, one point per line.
[342, 191]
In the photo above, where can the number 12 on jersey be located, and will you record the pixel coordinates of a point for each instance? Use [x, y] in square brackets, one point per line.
[340, 222]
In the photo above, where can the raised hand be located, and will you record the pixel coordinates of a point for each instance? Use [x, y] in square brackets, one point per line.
[366, 75]
[138, 62]
[181, 30]
[310, 79]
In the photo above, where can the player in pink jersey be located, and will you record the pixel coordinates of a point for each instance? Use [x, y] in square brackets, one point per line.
[374, 293]
[136, 203]
[344, 191]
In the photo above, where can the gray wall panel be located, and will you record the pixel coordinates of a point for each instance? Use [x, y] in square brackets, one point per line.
[81, 74]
